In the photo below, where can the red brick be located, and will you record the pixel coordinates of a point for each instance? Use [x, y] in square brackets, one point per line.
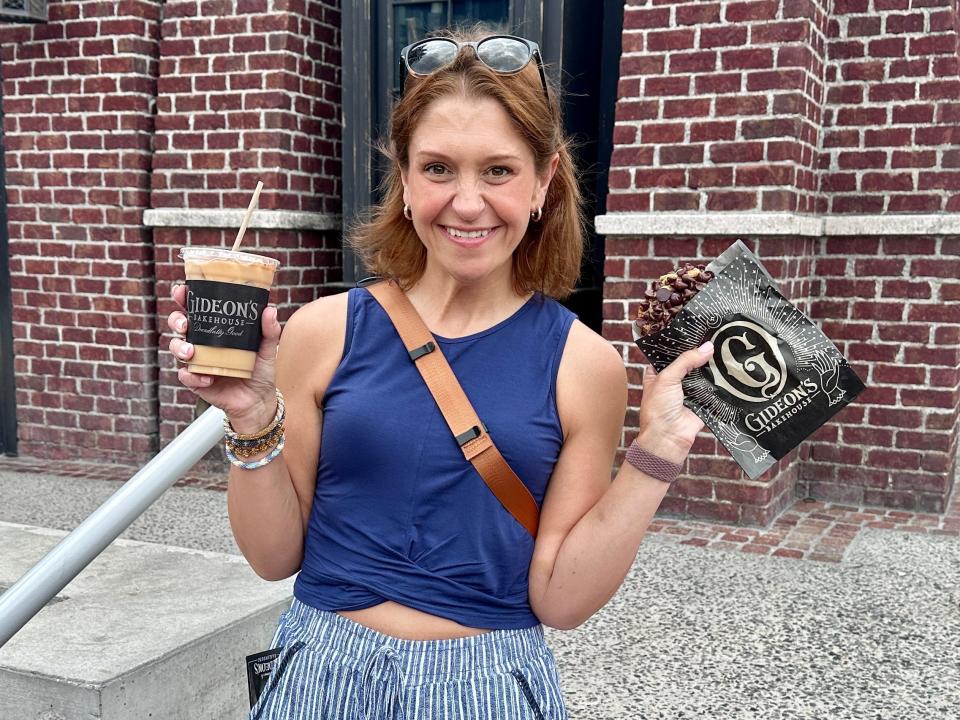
[710, 177]
[913, 114]
[885, 267]
[878, 437]
[895, 417]
[849, 7]
[712, 131]
[751, 58]
[669, 40]
[658, 178]
[681, 154]
[894, 459]
[915, 159]
[874, 352]
[641, 110]
[937, 136]
[778, 201]
[928, 398]
[906, 289]
[703, 61]
[899, 374]
[687, 108]
[662, 133]
[632, 156]
[881, 182]
[776, 80]
[628, 203]
[878, 311]
[736, 152]
[899, 92]
[750, 175]
[741, 105]
[845, 455]
[751, 11]
[845, 50]
[888, 47]
[863, 26]
[631, 65]
[934, 44]
[779, 32]
[862, 160]
[940, 90]
[676, 201]
[642, 18]
[724, 36]
[672, 85]
[870, 71]
[910, 68]
[933, 313]
[862, 116]
[731, 200]
[718, 83]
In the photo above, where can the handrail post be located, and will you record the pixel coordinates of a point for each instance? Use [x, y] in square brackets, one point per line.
[71, 555]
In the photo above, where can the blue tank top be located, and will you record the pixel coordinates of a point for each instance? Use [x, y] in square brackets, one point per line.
[398, 513]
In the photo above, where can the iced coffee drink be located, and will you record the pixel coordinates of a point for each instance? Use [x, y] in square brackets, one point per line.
[226, 294]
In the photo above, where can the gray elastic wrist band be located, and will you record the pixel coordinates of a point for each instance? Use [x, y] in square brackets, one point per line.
[652, 465]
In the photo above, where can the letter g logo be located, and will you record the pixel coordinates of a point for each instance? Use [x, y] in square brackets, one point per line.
[752, 367]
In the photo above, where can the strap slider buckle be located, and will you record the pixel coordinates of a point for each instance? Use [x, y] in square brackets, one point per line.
[471, 434]
[419, 352]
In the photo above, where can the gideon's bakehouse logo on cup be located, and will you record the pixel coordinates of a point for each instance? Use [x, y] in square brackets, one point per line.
[221, 317]
[774, 377]
[227, 291]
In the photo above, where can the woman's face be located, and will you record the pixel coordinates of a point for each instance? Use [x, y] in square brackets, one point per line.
[471, 184]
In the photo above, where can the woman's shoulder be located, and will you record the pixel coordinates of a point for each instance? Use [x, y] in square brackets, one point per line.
[590, 353]
[313, 338]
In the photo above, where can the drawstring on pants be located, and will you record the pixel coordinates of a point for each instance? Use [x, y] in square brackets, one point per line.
[378, 703]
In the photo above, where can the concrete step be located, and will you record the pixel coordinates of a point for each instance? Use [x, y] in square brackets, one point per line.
[147, 631]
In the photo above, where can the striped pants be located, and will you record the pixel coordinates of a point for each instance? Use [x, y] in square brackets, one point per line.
[332, 668]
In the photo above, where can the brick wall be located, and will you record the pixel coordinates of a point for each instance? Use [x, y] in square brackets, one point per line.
[822, 110]
[720, 107]
[78, 111]
[892, 124]
[115, 107]
[249, 90]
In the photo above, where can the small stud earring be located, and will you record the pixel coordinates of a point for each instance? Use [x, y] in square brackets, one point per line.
[535, 216]
[407, 212]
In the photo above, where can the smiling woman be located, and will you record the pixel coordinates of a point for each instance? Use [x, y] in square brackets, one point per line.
[420, 592]
[507, 125]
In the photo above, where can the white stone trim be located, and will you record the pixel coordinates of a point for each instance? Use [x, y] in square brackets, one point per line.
[747, 224]
[943, 224]
[260, 220]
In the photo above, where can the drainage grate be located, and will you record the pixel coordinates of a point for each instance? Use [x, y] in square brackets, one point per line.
[54, 601]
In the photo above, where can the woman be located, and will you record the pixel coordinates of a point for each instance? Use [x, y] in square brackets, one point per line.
[418, 594]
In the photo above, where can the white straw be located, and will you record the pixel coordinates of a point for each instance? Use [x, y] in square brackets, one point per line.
[246, 217]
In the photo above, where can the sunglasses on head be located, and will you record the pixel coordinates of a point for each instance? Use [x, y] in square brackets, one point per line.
[504, 54]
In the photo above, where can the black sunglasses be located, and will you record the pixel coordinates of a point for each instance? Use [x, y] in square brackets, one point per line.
[504, 54]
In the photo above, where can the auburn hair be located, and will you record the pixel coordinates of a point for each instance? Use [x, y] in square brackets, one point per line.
[549, 255]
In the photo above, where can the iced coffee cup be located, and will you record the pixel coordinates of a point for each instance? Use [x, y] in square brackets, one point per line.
[226, 294]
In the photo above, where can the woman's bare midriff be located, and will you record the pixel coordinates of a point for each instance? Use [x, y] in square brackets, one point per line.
[404, 622]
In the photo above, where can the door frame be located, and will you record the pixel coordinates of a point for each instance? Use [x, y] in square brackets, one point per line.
[8, 388]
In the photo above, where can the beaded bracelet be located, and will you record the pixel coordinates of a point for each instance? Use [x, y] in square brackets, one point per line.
[269, 439]
[243, 451]
[277, 419]
[258, 463]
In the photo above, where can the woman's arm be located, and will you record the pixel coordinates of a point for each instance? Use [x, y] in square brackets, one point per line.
[269, 507]
[590, 528]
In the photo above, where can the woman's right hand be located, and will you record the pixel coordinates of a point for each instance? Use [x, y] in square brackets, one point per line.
[249, 404]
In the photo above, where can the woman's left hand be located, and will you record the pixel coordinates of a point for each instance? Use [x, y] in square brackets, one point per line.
[667, 427]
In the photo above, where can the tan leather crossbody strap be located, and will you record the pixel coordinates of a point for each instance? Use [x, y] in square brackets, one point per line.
[469, 432]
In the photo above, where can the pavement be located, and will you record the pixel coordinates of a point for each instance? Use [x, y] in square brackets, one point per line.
[694, 632]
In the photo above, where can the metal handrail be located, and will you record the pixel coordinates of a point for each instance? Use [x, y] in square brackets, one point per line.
[71, 555]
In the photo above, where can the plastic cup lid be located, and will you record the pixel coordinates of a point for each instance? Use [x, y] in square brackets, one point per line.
[208, 253]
